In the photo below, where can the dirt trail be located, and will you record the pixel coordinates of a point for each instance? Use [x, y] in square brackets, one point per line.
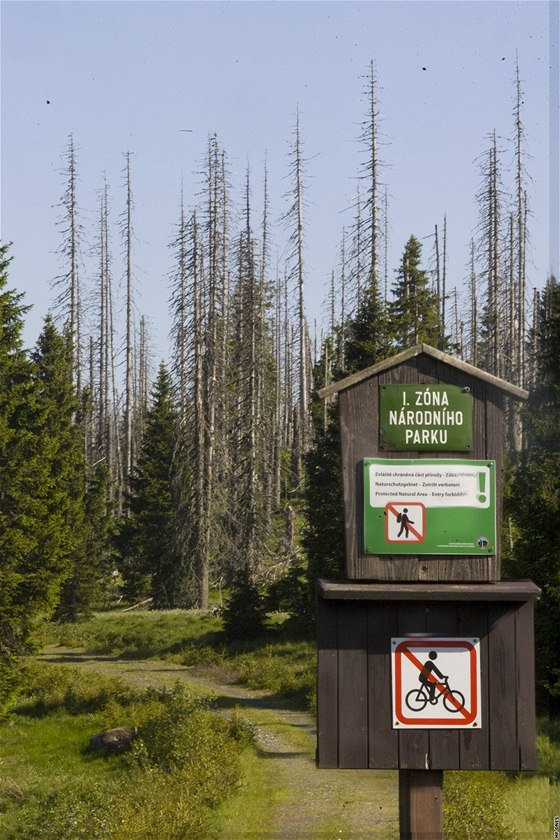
[311, 803]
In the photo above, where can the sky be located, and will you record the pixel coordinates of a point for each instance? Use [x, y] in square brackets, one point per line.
[156, 78]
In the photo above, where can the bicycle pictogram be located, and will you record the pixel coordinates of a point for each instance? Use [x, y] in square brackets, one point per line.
[418, 698]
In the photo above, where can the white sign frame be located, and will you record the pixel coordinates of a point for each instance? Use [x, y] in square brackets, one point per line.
[421, 698]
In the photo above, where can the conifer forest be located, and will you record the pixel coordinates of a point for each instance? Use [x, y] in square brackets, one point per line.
[217, 470]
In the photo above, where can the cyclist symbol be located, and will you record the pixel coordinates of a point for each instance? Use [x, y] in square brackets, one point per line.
[418, 698]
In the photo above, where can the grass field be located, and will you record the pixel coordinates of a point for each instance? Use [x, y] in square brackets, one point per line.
[45, 766]
[186, 761]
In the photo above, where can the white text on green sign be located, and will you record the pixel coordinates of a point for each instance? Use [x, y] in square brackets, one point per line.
[425, 417]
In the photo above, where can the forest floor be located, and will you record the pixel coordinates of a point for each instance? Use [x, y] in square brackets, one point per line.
[303, 802]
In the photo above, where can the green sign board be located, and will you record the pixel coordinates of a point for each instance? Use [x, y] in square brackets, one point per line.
[425, 418]
[429, 506]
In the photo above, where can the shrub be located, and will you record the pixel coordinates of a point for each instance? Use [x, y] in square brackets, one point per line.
[292, 679]
[186, 761]
[48, 686]
[245, 611]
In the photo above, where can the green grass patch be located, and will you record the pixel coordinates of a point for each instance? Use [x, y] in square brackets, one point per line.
[475, 806]
[548, 746]
[284, 668]
[186, 761]
[138, 634]
[276, 662]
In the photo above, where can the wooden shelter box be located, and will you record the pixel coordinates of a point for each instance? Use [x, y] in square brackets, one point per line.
[363, 437]
[356, 714]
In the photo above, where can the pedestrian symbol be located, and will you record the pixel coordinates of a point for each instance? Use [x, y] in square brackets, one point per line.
[436, 683]
[405, 522]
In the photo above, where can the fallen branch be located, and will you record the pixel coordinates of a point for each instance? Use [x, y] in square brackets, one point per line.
[139, 604]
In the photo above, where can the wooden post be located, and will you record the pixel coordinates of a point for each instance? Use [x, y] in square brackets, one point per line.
[420, 804]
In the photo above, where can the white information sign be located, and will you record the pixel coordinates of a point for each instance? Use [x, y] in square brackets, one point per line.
[449, 485]
[436, 683]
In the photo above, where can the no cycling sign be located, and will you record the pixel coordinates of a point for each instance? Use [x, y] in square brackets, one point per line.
[429, 506]
[436, 683]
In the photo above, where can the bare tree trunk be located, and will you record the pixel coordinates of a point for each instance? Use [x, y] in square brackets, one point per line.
[373, 176]
[474, 311]
[68, 301]
[129, 348]
[521, 204]
[342, 344]
[444, 283]
[386, 248]
[201, 510]
[438, 283]
[303, 371]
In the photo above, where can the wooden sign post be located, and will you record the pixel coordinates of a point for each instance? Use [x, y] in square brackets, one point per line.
[425, 657]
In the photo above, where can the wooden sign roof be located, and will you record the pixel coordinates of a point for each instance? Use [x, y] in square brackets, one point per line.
[425, 349]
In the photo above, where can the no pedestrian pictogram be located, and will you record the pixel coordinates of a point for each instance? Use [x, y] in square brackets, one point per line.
[405, 522]
[436, 683]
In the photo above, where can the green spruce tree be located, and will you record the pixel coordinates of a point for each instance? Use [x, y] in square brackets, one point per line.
[63, 436]
[533, 499]
[415, 309]
[36, 542]
[153, 561]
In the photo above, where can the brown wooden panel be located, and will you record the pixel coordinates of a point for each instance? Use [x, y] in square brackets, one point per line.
[387, 567]
[506, 591]
[327, 684]
[413, 743]
[464, 568]
[429, 370]
[443, 744]
[383, 740]
[526, 714]
[354, 674]
[504, 753]
[352, 685]
[474, 744]
[358, 426]
[494, 451]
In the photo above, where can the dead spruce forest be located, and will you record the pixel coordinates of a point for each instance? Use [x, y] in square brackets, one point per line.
[215, 475]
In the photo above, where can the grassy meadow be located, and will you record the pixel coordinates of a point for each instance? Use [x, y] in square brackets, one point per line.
[193, 773]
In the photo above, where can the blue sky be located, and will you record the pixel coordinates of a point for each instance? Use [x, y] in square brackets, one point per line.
[127, 76]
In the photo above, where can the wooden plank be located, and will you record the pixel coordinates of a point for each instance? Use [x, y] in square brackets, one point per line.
[383, 740]
[504, 750]
[523, 590]
[358, 428]
[369, 372]
[457, 568]
[327, 684]
[413, 743]
[429, 370]
[352, 686]
[494, 451]
[443, 744]
[474, 744]
[526, 712]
